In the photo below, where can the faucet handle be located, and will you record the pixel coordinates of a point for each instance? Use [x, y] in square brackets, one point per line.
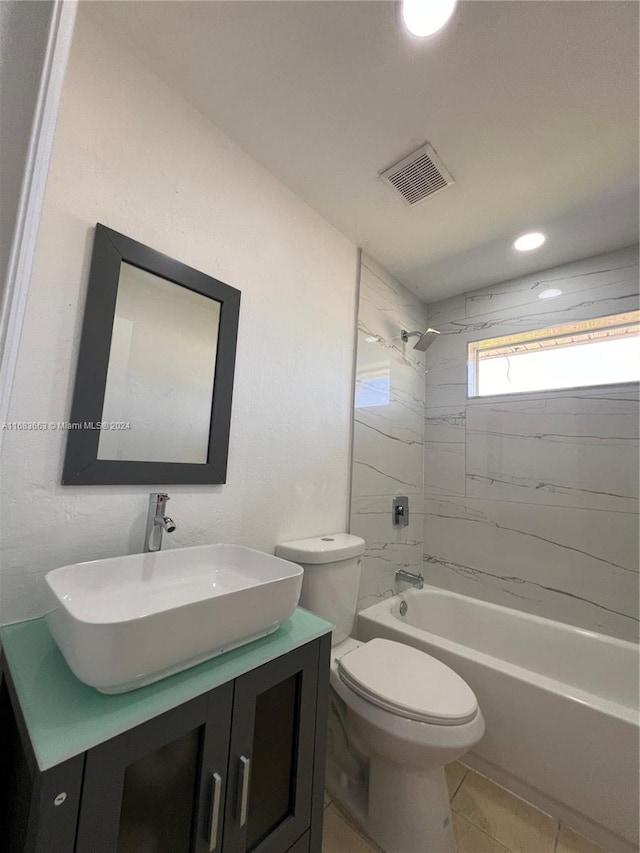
[400, 514]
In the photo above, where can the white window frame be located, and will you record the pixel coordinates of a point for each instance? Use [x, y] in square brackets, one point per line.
[567, 335]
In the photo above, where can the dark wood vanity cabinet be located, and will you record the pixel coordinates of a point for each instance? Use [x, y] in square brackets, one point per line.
[238, 769]
[148, 789]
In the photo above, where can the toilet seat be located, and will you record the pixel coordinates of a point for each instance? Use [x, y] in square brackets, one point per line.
[407, 682]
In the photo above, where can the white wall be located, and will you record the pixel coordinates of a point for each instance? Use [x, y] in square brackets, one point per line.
[132, 155]
[24, 28]
[531, 501]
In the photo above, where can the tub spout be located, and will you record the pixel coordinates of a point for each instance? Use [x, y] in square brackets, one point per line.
[410, 577]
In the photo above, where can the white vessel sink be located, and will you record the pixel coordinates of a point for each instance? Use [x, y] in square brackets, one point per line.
[128, 621]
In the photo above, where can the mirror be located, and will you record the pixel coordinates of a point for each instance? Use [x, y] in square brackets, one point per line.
[152, 400]
[164, 389]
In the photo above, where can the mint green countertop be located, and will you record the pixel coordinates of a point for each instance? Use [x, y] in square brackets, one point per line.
[64, 717]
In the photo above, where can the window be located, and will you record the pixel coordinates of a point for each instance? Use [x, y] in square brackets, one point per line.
[602, 351]
[373, 387]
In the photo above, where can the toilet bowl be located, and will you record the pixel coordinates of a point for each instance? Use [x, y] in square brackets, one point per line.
[407, 739]
[397, 714]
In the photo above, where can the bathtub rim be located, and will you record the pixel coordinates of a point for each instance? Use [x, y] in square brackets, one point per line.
[383, 612]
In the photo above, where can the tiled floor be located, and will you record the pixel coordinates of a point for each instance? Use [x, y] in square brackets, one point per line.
[486, 819]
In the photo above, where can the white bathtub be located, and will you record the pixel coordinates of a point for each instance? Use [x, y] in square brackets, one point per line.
[560, 704]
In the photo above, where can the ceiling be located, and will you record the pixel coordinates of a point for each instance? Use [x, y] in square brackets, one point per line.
[532, 106]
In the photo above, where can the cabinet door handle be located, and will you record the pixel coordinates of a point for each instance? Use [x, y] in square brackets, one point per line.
[243, 789]
[216, 794]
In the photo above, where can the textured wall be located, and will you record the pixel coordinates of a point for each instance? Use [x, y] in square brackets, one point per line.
[24, 28]
[388, 430]
[131, 154]
[532, 501]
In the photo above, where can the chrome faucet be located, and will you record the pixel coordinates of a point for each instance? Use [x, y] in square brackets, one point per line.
[410, 577]
[157, 521]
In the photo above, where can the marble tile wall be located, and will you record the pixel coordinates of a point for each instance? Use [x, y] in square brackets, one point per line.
[388, 430]
[532, 501]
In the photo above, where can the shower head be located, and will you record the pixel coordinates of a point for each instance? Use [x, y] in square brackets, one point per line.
[425, 339]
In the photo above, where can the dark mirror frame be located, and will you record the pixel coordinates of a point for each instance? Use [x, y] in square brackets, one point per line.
[81, 464]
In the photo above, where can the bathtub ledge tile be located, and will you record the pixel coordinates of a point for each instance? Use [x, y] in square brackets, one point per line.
[514, 823]
[470, 839]
[570, 842]
[339, 836]
[455, 774]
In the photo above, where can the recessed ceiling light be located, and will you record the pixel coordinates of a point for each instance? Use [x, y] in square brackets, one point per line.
[527, 242]
[550, 293]
[425, 17]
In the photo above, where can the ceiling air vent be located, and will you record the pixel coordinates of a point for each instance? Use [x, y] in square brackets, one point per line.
[418, 175]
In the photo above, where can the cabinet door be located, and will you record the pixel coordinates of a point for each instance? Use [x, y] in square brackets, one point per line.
[271, 754]
[156, 788]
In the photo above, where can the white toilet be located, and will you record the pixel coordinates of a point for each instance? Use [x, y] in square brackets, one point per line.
[397, 715]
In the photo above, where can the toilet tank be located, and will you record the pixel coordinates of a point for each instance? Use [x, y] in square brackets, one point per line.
[332, 565]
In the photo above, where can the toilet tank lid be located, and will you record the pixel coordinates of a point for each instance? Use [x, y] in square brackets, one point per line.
[322, 549]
